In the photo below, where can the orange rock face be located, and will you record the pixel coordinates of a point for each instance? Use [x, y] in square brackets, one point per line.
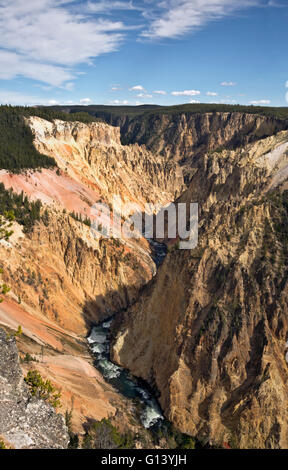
[209, 331]
[62, 278]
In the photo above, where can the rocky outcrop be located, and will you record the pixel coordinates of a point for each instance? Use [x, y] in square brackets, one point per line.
[183, 137]
[93, 154]
[61, 269]
[62, 277]
[209, 333]
[25, 421]
[184, 134]
[72, 278]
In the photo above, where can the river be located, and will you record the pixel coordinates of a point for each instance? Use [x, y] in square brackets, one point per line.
[131, 387]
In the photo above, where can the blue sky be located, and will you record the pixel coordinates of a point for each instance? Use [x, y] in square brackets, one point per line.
[143, 51]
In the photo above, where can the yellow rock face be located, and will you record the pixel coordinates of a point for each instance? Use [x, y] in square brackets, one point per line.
[210, 332]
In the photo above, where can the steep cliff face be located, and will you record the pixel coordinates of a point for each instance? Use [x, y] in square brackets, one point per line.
[93, 154]
[60, 268]
[26, 422]
[72, 277]
[183, 135]
[210, 331]
[62, 277]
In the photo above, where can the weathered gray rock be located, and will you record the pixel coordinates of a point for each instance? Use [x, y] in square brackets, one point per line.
[26, 422]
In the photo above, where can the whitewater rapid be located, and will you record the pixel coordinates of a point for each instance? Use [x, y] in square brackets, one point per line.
[120, 378]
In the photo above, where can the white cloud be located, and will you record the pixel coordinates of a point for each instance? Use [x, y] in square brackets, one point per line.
[160, 92]
[106, 6]
[286, 84]
[69, 86]
[119, 102]
[137, 88]
[13, 65]
[174, 18]
[211, 93]
[86, 101]
[144, 95]
[45, 39]
[186, 93]
[260, 102]
[53, 102]
[194, 102]
[275, 4]
[15, 98]
[18, 98]
[228, 101]
[228, 83]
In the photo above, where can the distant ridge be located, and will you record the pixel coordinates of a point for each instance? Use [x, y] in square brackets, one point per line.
[198, 108]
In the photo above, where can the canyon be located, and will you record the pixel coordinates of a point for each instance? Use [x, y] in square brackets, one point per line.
[207, 330]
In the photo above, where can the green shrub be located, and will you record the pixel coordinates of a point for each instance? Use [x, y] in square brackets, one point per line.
[73, 438]
[4, 289]
[103, 435]
[42, 388]
[28, 358]
[2, 445]
[6, 219]
[19, 331]
[17, 207]
[79, 218]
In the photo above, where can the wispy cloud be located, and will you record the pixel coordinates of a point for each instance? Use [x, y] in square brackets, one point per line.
[186, 93]
[137, 88]
[18, 98]
[106, 6]
[228, 84]
[46, 39]
[276, 4]
[13, 65]
[49, 40]
[86, 101]
[15, 98]
[174, 18]
[119, 102]
[115, 88]
[144, 95]
[211, 93]
[255, 102]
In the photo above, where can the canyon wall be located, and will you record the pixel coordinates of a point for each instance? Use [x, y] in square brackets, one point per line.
[62, 277]
[183, 135]
[93, 154]
[61, 269]
[209, 333]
